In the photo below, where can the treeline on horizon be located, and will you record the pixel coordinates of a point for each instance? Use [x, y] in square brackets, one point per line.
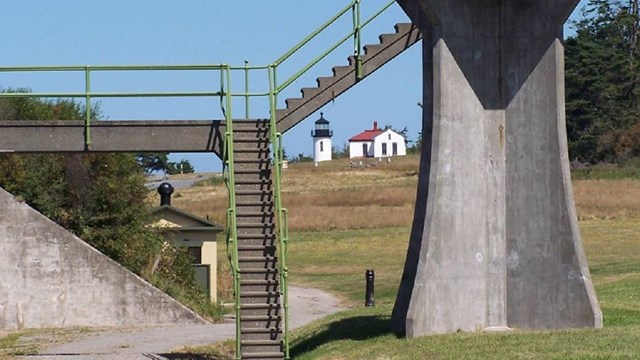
[602, 64]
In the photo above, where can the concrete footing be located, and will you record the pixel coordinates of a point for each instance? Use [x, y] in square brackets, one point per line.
[495, 241]
[52, 279]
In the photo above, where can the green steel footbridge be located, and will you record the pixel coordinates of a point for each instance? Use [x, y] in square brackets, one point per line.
[251, 151]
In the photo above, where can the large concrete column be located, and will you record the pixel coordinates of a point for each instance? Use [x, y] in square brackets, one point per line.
[495, 241]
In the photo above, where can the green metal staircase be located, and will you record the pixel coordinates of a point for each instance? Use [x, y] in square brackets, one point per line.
[260, 314]
[259, 259]
[257, 222]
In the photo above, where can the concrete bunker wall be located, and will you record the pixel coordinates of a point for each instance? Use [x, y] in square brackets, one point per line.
[51, 278]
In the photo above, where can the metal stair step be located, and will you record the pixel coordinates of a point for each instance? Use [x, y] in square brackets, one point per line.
[261, 342]
[254, 225]
[261, 318]
[258, 282]
[256, 237]
[266, 248]
[246, 141]
[293, 102]
[260, 294]
[250, 161]
[340, 71]
[262, 355]
[252, 182]
[249, 330]
[259, 285]
[257, 258]
[260, 306]
[258, 271]
[250, 128]
[309, 92]
[253, 192]
[253, 173]
[255, 214]
[262, 262]
[258, 204]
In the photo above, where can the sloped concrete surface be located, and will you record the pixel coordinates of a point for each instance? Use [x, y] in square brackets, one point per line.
[51, 279]
[306, 305]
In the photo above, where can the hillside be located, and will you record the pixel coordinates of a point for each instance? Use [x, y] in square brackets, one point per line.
[380, 194]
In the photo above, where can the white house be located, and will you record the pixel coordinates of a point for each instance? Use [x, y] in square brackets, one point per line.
[377, 143]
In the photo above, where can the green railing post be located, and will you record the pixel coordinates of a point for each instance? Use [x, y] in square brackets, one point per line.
[246, 89]
[87, 105]
[357, 38]
[276, 143]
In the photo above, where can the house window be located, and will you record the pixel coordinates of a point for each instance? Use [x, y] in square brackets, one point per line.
[196, 254]
[389, 136]
[384, 149]
[321, 146]
[395, 148]
[365, 151]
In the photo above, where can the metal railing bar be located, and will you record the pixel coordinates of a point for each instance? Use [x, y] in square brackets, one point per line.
[311, 36]
[112, 95]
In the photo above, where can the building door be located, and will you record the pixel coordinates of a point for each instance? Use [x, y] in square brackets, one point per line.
[365, 150]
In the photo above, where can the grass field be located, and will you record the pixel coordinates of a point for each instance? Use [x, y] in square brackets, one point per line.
[346, 220]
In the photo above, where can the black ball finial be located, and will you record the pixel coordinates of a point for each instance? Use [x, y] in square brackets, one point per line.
[165, 190]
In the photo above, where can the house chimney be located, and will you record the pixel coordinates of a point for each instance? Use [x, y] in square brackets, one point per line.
[165, 190]
[375, 125]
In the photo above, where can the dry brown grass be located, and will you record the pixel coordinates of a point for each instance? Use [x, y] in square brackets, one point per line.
[336, 196]
[607, 199]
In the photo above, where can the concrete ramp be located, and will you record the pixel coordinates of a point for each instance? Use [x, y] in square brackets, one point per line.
[50, 278]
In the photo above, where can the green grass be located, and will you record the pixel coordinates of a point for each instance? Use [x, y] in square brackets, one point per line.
[363, 334]
[336, 261]
[629, 170]
[9, 345]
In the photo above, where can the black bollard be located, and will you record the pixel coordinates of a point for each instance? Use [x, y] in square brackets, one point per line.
[370, 277]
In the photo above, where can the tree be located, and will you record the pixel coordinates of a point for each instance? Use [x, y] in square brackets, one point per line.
[99, 197]
[603, 81]
[152, 162]
[181, 167]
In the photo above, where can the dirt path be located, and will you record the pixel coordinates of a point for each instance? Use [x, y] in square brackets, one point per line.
[306, 305]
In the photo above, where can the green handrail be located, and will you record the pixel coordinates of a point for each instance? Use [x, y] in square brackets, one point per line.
[232, 230]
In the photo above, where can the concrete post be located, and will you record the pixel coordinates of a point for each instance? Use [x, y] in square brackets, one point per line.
[495, 242]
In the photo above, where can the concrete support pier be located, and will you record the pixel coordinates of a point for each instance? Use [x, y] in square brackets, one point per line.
[495, 242]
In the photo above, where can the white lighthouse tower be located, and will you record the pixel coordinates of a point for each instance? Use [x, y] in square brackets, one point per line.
[321, 140]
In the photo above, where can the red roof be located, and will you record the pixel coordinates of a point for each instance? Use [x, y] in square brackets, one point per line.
[368, 135]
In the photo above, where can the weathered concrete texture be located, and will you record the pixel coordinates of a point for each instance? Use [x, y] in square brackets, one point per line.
[113, 136]
[51, 278]
[496, 227]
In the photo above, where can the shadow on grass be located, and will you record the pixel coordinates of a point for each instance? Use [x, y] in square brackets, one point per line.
[355, 328]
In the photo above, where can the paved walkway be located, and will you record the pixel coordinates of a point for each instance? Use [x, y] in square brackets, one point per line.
[306, 305]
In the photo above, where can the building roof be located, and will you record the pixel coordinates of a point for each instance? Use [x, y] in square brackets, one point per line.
[202, 224]
[368, 135]
[322, 120]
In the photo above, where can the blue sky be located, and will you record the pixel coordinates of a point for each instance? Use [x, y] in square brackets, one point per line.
[110, 32]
